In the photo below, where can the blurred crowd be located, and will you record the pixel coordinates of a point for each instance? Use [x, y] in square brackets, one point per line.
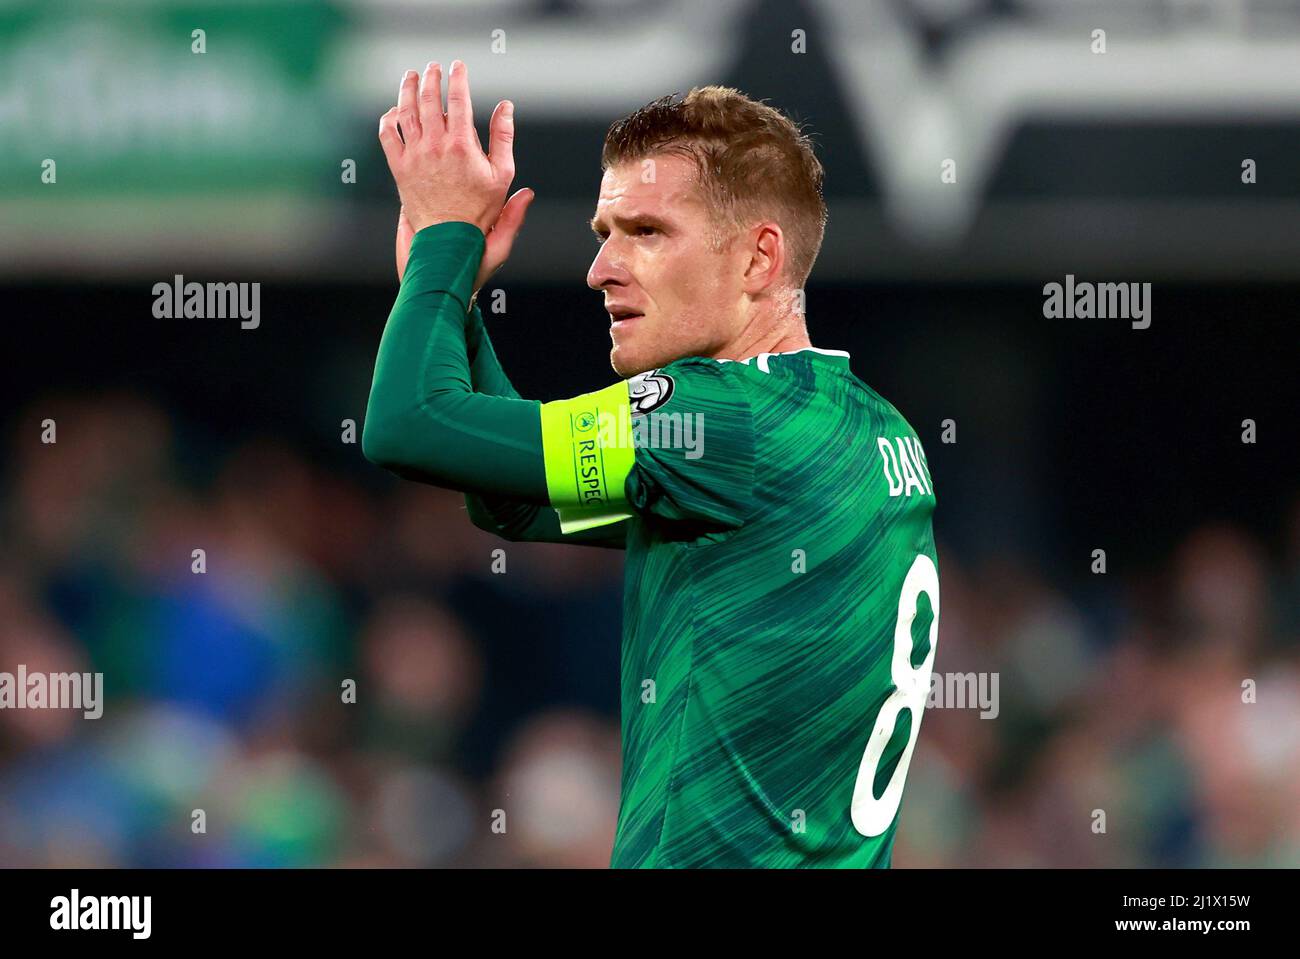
[1145, 718]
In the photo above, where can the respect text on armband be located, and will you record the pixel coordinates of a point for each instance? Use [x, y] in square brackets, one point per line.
[591, 474]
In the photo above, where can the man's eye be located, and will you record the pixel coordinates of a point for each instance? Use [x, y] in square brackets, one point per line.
[645, 230]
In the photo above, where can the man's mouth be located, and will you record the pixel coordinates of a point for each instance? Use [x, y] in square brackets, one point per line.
[620, 316]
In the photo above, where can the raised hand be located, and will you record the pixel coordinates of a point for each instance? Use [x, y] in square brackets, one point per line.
[441, 171]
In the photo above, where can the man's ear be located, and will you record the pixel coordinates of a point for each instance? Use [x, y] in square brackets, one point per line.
[766, 247]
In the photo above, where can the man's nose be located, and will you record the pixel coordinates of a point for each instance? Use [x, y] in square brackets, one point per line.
[604, 269]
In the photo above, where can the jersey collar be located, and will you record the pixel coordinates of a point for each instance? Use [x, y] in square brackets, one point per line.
[838, 358]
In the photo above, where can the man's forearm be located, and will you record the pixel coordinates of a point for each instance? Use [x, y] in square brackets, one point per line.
[424, 421]
[486, 374]
[513, 519]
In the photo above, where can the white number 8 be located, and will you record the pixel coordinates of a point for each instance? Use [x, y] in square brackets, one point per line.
[872, 816]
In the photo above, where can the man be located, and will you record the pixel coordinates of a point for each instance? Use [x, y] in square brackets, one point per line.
[781, 597]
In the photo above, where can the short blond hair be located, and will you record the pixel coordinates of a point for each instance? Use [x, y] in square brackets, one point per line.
[754, 163]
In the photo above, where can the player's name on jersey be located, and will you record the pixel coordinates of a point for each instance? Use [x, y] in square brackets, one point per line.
[905, 466]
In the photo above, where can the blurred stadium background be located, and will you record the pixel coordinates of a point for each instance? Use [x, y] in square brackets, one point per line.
[479, 691]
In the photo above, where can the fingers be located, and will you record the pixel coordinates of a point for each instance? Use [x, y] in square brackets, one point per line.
[388, 136]
[432, 122]
[408, 113]
[501, 140]
[460, 112]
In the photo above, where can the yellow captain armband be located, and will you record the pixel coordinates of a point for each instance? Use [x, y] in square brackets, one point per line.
[587, 445]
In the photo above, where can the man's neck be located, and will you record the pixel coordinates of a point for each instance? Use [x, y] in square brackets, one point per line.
[766, 333]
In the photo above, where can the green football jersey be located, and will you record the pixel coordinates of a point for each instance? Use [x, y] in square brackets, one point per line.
[781, 599]
[780, 615]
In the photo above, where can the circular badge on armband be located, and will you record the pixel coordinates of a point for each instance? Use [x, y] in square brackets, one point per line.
[648, 391]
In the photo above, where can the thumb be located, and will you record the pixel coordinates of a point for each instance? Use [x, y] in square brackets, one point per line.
[507, 227]
[405, 234]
